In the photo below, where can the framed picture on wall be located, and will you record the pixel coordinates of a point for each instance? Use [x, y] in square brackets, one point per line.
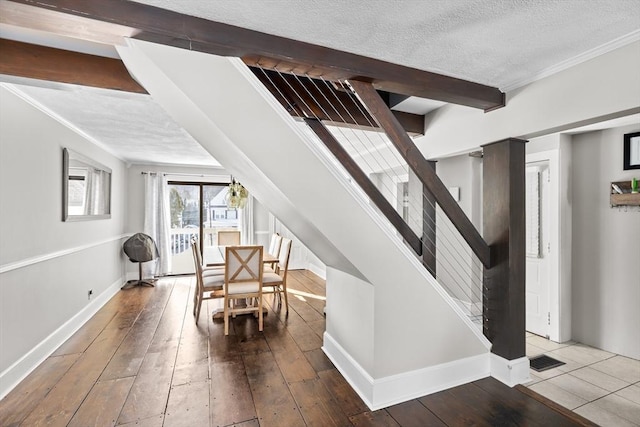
[632, 151]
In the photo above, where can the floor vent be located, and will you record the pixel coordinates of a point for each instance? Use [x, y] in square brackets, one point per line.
[542, 363]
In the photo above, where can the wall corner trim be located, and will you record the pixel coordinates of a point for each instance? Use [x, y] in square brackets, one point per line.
[510, 372]
[383, 392]
[18, 371]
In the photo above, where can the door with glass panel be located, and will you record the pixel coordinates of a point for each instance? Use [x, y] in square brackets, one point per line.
[197, 210]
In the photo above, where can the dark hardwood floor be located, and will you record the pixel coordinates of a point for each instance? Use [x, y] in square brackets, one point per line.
[142, 361]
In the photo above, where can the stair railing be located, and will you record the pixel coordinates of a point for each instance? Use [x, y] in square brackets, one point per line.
[350, 133]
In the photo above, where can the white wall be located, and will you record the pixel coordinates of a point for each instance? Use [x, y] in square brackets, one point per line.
[604, 87]
[261, 224]
[606, 247]
[47, 265]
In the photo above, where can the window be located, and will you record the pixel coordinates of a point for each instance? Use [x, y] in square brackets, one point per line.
[198, 210]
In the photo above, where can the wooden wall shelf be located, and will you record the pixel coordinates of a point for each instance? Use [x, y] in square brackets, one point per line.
[626, 198]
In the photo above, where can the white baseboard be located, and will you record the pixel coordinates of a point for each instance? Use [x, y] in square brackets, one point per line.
[510, 372]
[351, 370]
[15, 373]
[318, 271]
[383, 392]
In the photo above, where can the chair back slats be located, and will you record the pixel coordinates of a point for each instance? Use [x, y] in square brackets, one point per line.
[283, 256]
[196, 255]
[272, 243]
[275, 282]
[277, 245]
[243, 279]
[197, 261]
[209, 285]
[228, 237]
[244, 263]
[198, 294]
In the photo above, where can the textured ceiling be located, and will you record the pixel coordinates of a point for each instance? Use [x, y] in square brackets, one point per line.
[501, 43]
[131, 126]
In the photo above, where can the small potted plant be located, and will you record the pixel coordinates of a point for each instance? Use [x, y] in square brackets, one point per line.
[634, 185]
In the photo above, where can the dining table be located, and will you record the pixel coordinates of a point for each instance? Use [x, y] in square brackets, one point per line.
[213, 256]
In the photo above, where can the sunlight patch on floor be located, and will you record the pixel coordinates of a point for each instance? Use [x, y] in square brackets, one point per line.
[299, 294]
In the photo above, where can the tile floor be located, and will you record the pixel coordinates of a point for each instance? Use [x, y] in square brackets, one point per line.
[601, 386]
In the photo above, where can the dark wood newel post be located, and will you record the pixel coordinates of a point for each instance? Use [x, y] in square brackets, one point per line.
[504, 231]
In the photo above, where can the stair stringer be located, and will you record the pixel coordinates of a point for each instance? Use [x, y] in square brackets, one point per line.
[391, 329]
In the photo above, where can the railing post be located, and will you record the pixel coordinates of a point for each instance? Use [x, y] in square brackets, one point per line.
[504, 231]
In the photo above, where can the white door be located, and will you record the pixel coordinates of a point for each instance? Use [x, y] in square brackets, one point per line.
[298, 257]
[537, 251]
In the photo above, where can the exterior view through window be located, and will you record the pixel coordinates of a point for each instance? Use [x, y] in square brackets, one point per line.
[197, 210]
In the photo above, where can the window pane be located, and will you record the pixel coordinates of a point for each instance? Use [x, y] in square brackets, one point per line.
[216, 214]
[184, 201]
[189, 219]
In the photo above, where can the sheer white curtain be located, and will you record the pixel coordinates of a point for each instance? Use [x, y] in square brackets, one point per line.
[246, 222]
[157, 219]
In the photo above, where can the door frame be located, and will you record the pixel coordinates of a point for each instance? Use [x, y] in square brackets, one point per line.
[543, 260]
[559, 290]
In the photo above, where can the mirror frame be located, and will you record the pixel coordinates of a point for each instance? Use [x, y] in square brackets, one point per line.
[67, 155]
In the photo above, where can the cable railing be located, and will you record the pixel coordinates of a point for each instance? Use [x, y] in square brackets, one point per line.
[453, 263]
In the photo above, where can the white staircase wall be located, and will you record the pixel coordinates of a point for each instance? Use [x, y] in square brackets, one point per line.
[391, 329]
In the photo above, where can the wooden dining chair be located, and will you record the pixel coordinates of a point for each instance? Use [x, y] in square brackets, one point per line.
[242, 280]
[276, 282]
[228, 238]
[274, 249]
[208, 286]
[206, 270]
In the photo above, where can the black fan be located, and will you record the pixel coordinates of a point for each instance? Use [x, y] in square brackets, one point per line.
[140, 248]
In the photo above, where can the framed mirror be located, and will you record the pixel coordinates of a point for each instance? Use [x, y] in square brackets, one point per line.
[86, 188]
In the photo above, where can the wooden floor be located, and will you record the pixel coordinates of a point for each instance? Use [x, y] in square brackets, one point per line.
[142, 361]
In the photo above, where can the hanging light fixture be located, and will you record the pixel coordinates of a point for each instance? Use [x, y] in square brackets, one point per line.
[236, 195]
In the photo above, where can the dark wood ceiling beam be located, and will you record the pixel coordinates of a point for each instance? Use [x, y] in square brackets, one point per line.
[46, 20]
[273, 52]
[46, 63]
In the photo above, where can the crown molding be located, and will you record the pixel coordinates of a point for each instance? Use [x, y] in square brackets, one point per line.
[632, 37]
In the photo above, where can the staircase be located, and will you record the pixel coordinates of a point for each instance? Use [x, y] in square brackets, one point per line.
[392, 330]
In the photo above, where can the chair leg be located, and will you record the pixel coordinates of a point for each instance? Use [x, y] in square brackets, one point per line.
[195, 299]
[286, 298]
[198, 309]
[260, 313]
[226, 316]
